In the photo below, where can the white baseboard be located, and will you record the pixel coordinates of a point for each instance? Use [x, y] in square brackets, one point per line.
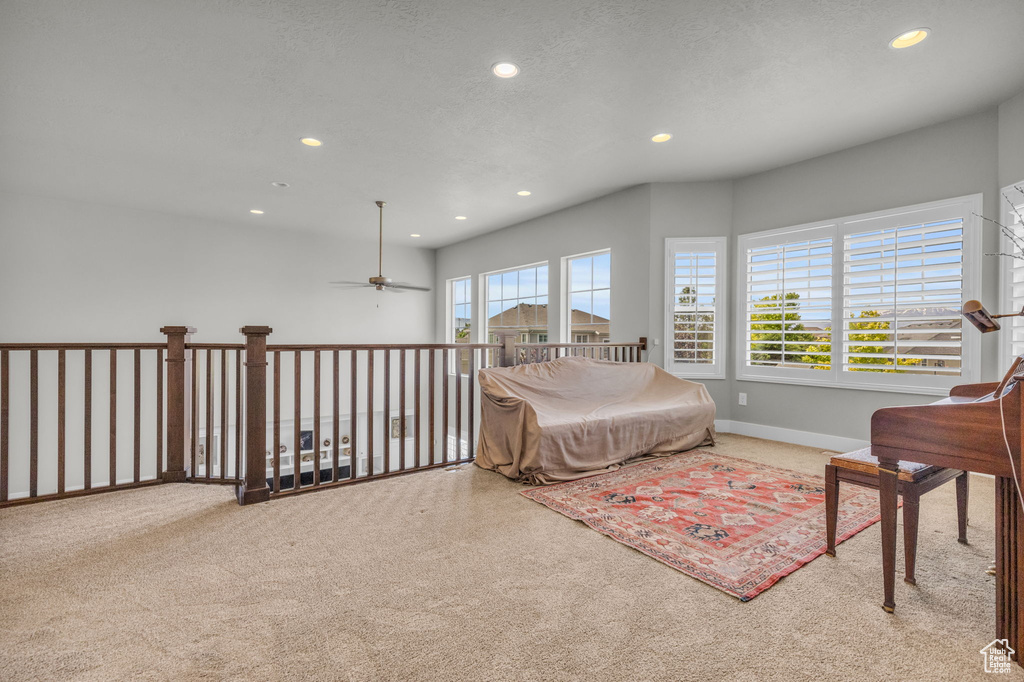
[808, 438]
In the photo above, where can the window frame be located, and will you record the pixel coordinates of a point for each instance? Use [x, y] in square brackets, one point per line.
[720, 246]
[449, 306]
[565, 319]
[485, 301]
[966, 207]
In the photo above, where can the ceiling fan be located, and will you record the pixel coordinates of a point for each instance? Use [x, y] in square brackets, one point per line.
[380, 282]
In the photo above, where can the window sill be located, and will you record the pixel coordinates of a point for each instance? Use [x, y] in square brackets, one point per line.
[882, 388]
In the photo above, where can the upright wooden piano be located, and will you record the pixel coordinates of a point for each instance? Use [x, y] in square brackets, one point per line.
[977, 428]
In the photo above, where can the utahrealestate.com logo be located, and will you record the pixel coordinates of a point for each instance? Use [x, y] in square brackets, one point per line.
[997, 656]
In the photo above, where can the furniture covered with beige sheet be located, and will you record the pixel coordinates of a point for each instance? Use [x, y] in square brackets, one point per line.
[571, 417]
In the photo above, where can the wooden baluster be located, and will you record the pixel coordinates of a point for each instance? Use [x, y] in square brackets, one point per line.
[60, 421]
[416, 407]
[238, 414]
[33, 466]
[194, 471]
[87, 422]
[5, 408]
[297, 423]
[353, 415]
[210, 454]
[276, 454]
[432, 390]
[223, 414]
[137, 433]
[161, 466]
[316, 417]
[444, 403]
[472, 403]
[458, 404]
[336, 408]
[369, 412]
[386, 427]
[113, 417]
[401, 410]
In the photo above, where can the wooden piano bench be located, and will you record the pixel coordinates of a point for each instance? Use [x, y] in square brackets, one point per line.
[861, 468]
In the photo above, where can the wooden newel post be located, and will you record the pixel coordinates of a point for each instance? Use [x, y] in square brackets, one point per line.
[254, 488]
[178, 398]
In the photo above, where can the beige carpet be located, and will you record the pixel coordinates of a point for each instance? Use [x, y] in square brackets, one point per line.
[452, 575]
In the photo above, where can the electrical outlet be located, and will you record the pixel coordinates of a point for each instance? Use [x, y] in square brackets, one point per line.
[743, 398]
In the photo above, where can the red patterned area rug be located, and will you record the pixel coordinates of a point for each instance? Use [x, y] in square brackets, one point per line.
[737, 525]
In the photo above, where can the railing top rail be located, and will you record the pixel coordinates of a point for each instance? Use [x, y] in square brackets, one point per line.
[83, 346]
[216, 346]
[581, 345]
[382, 346]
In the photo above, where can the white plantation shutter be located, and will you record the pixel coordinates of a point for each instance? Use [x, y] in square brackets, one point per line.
[870, 301]
[787, 307]
[695, 296]
[903, 290]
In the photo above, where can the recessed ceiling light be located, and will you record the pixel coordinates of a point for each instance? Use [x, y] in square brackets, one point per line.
[661, 137]
[460, 217]
[912, 37]
[523, 193]
[280, 185]
[414, 236]
[255, 211]
[505, 69]
[311, 142]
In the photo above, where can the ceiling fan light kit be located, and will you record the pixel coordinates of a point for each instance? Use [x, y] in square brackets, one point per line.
[380, 282]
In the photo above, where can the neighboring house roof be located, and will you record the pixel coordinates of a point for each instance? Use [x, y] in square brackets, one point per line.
[534, 317]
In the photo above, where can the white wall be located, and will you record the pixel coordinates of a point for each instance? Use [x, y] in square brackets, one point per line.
[72, 271]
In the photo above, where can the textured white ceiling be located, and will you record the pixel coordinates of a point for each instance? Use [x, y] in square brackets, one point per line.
[196, 106]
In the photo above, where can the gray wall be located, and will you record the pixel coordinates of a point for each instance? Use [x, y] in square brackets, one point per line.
[1011, 141]
[695, 209]
[941, 161]
[618, 221]
[973, 154]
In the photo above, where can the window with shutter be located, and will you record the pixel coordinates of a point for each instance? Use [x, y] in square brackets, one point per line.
[695, 297]
[870, 301]
[903, 289]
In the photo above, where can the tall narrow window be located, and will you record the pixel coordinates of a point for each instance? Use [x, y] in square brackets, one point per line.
[517, 301]
[588, 309]
[695, 298]
[460, 312]
[460, 316]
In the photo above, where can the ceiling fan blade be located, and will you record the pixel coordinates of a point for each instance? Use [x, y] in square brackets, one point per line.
[350, 284]
[410, 287]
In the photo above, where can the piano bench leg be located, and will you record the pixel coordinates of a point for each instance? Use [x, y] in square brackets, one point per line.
[831, 507]
[961, 506]
[911, 516]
